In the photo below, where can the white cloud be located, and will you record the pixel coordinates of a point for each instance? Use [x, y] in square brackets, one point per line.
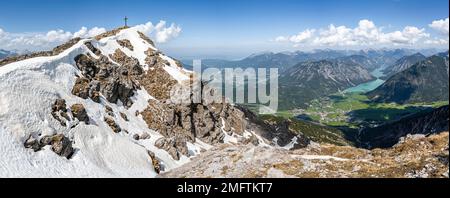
[302, 36]
[441, 26]
[409, 35]
[335, 36]
[366, 33]
[281, 39]
[85, 33]
[161, 33]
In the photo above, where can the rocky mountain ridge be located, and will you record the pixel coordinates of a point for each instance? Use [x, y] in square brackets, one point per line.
[415, 156]
[403, 64]
[314, 79]
[106, 105]
[425, 81]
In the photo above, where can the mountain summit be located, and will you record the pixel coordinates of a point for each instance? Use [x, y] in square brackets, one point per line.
[100, 107]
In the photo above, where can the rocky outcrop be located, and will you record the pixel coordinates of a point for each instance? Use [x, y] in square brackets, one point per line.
[111, 123]
[60, 144]
[126, 43]
[275, 129]
[156, 80]
[59, 112]
[144, 136]
[93, 49]
[79, 112]
[145, 38]
[62, 115]
[84, 88]
[193, 120]
[414, 157]
[155, 162]
[110, 33]
[114, 82]
[175, 146]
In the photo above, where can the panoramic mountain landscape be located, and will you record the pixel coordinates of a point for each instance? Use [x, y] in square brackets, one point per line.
[123, 99]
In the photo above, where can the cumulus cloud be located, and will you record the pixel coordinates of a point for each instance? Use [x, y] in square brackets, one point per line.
[409, 35]
[440, 26]
[160, 32]
[86, 33]
[366, 33]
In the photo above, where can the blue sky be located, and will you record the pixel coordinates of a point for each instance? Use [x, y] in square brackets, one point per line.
[231, 28]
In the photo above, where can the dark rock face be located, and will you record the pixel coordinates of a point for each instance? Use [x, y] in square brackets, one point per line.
[427, 122]
[155, 162]
[93, 49]
[145, 38]
[194, 120]
[33, 143]
[111, 123]
[61, 114]
[112, 81]
[278, 131]
[126, 43]
[60, 144]
[79, 112]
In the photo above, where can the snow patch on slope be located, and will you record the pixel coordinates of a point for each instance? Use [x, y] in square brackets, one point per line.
[28, 88]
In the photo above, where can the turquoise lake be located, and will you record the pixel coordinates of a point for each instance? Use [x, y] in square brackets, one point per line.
[369, 86]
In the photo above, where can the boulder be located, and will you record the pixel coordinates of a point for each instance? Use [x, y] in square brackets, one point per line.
[175, 146]
[155, 162]
[111, 123]
[32, 143]
[79, 112]
[62, 146]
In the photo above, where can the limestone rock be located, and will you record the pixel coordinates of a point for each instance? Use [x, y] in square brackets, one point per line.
[175, 146]
[155, 162]
[79, 112]
[111, 123]
[62, 146]
[126, 43]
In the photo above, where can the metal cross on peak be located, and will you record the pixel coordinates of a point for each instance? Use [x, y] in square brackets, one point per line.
[126, 21]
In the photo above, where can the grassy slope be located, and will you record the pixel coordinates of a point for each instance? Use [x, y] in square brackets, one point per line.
[354, 109]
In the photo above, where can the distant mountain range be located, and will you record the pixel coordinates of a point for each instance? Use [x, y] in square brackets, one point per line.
[284, 60]
[403, 64]
[425, 81]
[5, 53]
[310, 80]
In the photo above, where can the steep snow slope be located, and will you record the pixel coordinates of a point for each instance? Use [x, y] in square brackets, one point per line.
[28, 89]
